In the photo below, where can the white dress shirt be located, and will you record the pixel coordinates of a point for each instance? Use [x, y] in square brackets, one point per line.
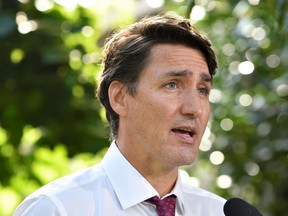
[114, 187]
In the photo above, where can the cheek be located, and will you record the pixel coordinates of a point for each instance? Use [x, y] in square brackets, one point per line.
[206, 106]
[143, 112]
[206, 114]
[155, 116]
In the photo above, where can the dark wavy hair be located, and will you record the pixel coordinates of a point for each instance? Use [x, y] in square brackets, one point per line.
[126, 54]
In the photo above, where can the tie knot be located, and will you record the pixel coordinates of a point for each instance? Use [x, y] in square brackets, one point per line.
[166, 206]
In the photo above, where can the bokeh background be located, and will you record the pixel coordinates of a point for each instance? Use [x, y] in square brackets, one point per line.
[51, 123]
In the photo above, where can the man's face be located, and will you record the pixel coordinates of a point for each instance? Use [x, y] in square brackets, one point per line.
[167, 116]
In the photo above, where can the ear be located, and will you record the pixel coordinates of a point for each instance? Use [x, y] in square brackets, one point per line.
[117, 92]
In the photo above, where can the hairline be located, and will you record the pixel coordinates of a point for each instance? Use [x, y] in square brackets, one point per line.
[132, 91]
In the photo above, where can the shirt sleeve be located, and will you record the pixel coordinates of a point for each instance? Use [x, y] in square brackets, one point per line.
[37, 206]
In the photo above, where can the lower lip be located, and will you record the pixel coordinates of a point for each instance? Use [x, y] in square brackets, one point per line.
[186, 137]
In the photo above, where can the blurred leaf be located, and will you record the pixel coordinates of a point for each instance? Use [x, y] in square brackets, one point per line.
[51, 124]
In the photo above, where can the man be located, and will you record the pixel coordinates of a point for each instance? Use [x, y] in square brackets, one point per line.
[155, 83]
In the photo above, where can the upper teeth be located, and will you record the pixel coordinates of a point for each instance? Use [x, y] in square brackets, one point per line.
[185, 130]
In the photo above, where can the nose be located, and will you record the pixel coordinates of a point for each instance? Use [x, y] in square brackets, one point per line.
[192, 104]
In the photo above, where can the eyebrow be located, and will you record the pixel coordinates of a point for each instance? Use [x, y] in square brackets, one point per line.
[185, 73]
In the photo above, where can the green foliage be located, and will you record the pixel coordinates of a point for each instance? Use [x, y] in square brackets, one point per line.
[51, 124]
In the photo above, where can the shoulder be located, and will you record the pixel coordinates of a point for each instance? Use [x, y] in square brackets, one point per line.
[73, 181]
[189, 189]
[192, 192]
[32, 206]
[201, 202]
[64, 191]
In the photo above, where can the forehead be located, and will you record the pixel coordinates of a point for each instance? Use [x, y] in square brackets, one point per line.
[175, 57]
[176, 51]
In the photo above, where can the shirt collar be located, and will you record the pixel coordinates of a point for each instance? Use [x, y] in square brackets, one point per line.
[178, 191]
[129, 185]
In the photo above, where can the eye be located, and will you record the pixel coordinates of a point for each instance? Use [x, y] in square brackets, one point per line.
[171, 85]
[204, 91]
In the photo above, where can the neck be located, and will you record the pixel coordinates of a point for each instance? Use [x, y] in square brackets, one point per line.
[162, 179]
[163, 184]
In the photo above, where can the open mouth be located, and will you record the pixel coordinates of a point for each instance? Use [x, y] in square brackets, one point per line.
[188, 132]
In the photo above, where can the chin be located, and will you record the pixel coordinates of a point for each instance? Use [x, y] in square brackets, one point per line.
[187, 159]
[188, 162]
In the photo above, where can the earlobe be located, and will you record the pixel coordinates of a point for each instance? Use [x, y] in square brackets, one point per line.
[117, 92]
